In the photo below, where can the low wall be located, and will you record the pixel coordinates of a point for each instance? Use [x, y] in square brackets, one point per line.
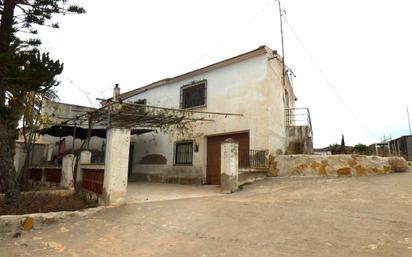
[334, 165]
[248, 176]
[299, 140]
[177, 174]
[45, 175]
[91, 180]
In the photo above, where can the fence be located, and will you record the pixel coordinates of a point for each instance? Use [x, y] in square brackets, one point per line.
[54, 175]
[255, 159]
[93, 180]
[41, 175]
[295, 117]
[36, 174]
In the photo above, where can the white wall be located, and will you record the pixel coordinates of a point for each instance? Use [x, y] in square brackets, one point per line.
[251, 87]
[276, 115]
[96, 143]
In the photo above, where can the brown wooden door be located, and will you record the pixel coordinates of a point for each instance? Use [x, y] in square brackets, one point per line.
[213, 154]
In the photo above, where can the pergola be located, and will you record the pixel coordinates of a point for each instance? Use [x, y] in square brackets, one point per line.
[119, 119]
[133, 115]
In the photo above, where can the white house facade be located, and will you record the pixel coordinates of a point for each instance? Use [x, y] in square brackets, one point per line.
[249, 84]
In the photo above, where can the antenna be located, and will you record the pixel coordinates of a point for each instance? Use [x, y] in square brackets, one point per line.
[409, 120]
[281, 37]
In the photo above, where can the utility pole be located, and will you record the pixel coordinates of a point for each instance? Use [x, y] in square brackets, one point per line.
[409, 120]
[283, 47]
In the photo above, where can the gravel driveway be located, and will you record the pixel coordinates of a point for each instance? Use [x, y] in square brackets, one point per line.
[362, 216]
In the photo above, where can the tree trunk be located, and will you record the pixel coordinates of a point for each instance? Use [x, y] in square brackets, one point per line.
[8, 179]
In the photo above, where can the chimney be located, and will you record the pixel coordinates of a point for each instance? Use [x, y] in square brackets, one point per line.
[116, 92]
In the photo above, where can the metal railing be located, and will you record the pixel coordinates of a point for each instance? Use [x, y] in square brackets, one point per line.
[295, 117]
[255, 159]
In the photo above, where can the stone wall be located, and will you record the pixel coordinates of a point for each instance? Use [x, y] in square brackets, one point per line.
[299, 140]
[248, 176]
[334, 165]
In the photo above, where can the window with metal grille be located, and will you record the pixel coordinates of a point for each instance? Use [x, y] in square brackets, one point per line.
[184, 153]
[193, 95]
[141, 109]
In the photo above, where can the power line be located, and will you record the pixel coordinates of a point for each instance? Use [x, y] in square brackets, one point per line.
[223, 39]
[328, 82]
[409, 120]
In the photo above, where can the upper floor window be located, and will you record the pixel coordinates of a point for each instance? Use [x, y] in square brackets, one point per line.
[193, 95]
[141, 109]
[141, 101]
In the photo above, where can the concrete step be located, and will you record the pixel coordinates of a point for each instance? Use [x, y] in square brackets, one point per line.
[247, 177]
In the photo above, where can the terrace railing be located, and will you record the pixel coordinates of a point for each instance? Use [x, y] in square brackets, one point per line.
[254, 159]
[295, 117]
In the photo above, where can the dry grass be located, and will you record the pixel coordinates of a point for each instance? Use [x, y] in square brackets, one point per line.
[35, 203]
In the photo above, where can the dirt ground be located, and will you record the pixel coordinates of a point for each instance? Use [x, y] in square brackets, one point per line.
[363, 216]
[138, 192]
[34, 203]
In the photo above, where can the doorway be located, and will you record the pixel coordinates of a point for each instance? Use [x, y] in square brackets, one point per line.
[213, 154]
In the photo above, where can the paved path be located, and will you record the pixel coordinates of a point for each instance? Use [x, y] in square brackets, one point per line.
[365, 216]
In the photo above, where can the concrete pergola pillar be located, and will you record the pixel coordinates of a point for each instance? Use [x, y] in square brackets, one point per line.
[116, 166]
[67, 171]
[229, 166]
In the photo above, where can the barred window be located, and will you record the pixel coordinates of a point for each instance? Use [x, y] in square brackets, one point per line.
[193, 95]
[141, 109]
[184, 153]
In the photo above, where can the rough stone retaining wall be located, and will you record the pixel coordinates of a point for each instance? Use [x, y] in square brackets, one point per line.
[15, 223]
[334, 165]
[57, 192]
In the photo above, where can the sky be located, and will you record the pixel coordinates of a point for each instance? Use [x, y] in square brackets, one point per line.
[351, 58]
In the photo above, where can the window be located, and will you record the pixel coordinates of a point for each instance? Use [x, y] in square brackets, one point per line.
[184, 153]
[141, 109]
[140, 101]
[193, 95]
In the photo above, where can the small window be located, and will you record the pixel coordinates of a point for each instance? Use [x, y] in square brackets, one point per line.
[193, 95]
[184, 153]
[141, 109]
[140, 101]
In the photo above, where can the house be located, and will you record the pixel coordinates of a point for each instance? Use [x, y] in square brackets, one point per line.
[47, 147]
[401, 146]
[250, 85]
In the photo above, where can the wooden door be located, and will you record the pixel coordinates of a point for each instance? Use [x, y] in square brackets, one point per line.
[213, 154]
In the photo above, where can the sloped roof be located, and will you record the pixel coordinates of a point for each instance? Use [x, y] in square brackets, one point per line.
[256, 52]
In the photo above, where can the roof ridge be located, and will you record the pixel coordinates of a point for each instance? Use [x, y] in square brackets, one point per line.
[212, 66]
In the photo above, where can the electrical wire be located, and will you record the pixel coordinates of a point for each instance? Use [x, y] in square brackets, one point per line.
[328, 82]
[222, 40]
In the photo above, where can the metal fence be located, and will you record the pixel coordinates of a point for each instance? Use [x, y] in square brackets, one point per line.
[299, 117]
[255, 159]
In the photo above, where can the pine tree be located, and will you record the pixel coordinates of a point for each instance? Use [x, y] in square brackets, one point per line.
[23, 70]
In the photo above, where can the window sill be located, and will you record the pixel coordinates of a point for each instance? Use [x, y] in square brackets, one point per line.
[195, 107]
[183, 164]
